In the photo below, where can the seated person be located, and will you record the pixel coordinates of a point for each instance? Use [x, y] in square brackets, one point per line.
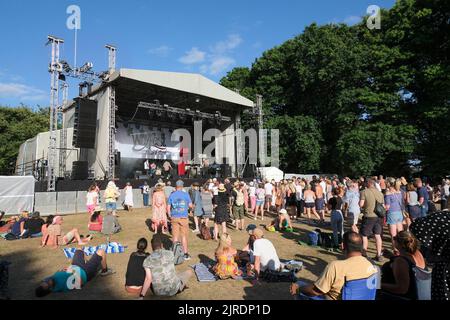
[76, 275]
[6, 226]
[110, 224]
[17, 228]
[135, 276]
[329, 285]
[96, 220]
[33, 226]
[398, 277]
[226, 267]
[282, 222]
[264, 256]
[51, 235]
[160, 272]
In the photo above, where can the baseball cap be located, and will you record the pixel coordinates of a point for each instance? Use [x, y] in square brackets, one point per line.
[180, 183]
[283, 211]
[250, 228]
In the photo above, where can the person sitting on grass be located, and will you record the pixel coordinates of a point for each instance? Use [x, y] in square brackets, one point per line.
[33, 226]
[18, 228]
[76, 275]
[160, 273]
[96, 220]
[226, 266]
[282, 222]
[265, 256]
[135, 275]
[51, 235]
[329, 285]
[110, 224]
[5, 226]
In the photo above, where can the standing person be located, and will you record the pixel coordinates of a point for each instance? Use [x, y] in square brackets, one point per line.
[337, 219]
[91, 199]
[393, 202]
[291, 203]
[135, 274]
[145, 193]
[351, 200]
[310, 202]
[207, 205]
[424, 197]
[178, 210]
[320, 201]
[246, 197]
[445, 194]
[221, 208]
[299, 198]
[238, 206]
[128, 203]
[111, 196]
[167, 167]
[382, 184]
[168, 190]
[159, 210]
[252, 195]
[371, 223]
[268, 189]
[260, 198]
[198, 206]
[412, 203]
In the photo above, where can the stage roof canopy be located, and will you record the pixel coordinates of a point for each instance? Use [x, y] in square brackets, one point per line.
[190, 83]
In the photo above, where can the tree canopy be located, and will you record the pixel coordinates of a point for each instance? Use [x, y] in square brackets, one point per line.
[352, 101]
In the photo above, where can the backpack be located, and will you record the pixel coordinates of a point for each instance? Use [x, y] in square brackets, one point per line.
[313, 238]
[11, 237]
[423, 283]
[205, 232]
[239, 198]
[178, 253]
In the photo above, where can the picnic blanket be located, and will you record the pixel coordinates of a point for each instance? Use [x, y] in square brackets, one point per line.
[203, 273]
[112, 247]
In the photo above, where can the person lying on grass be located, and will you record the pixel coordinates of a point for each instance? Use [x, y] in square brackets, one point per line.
[51, 234]
[75, 276]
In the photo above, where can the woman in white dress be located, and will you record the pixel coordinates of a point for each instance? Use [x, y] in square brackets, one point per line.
[128, 203]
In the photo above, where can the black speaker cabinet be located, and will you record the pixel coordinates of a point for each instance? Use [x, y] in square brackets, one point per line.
[80, 170]
[85, 123]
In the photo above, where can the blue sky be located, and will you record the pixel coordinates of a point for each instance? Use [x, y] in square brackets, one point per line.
[200, 36]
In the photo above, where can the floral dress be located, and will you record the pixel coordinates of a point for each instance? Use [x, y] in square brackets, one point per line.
[159, 208]
[226, 267]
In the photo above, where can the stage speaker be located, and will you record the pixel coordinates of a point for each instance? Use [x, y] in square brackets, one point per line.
[80, 170]
[85, 123]
[225, 171]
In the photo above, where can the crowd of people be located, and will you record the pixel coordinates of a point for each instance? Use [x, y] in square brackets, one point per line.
[355, 210]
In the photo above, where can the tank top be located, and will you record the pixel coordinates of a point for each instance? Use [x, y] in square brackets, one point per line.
[413, 198]
[388, 277]
[309, 198]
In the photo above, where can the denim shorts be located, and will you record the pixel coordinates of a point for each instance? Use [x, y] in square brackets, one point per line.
[259, 203]
[111, 206]
[394, 217]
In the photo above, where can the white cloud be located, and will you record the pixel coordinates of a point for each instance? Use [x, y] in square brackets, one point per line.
[193, 56]
[162, 51]
[351, 20]
[21, 91]
[232, 42]
[217, 65]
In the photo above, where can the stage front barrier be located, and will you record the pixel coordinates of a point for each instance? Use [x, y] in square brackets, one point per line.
[66, 202]
[138, 199]
[45, 203]
[81, 202]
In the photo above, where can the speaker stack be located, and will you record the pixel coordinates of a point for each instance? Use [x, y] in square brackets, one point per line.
[85, 123]
[80, 170]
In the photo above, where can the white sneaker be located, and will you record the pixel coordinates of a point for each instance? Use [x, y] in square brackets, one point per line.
[196, 231]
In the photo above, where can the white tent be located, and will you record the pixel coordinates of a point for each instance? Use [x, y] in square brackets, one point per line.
[16, 194]
[271, 173]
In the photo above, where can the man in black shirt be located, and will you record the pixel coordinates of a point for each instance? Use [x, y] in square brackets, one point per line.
[33, 226]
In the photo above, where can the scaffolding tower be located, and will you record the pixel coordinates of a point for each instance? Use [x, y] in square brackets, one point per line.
[112, 114]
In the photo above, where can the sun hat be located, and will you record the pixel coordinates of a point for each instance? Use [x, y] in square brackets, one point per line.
[57, 220]
[283, 211]
[98, 209]
[222, 187]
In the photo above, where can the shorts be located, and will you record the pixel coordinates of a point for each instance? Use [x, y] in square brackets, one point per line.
[91, 208]
[238, 212]
[394, 218]
[69, 237]
[111, 206]
[198, 213]
[91, 267]
[353, 218]
[371, 226]
[310, 205]
[259, 203]
[180, 227]
[207, 214]
[320, 204]
[268, 199]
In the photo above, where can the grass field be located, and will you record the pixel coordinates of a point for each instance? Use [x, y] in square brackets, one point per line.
[30, 263]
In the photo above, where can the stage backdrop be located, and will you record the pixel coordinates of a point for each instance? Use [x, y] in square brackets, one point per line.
[16, 194]
[146, 142]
